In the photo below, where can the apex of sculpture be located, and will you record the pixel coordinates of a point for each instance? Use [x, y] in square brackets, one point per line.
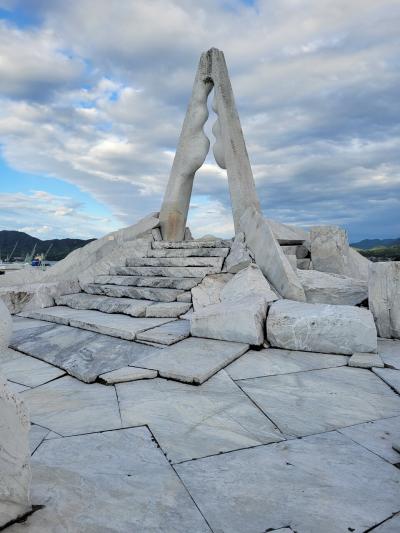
[229, 149]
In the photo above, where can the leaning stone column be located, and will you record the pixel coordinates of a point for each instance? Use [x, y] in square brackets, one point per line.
[192, 150]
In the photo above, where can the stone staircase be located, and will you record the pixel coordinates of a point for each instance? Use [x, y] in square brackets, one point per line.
[147, 293]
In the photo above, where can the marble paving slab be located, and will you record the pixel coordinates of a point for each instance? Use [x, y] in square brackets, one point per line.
[389, 376]
[27, 370]
[273, 361]
[190, 422]
[319, 484]
[321, 400]
[16, 387]
[115, 325]
[377, 436]
[389, 350]
[127, 373]
[167, 334]
[70, 407]
[83, 354]
[389, 526]
[21, 323]
[193, 360]
[37, 434]
[117, 481]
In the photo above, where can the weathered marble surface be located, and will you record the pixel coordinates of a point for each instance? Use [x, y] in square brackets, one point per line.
[5, 325]
[242, 320]
[390, 526]
[16, 388]
[27, 370]
[321, 287]
[341, 329]
[324, 483]
[208, 292]
[321, 400]
[81, 353]
[121, 276]
[272, 361]
[239, 256]
[15, 472]
[120, 326]
[389, 350]
[188, 252]
[384, 297]
[127, 373]
[389, 376]
[193, 360]
[191, 261]
[70, 407]
[105, 304]
[168, 309]
[166, 334]
[173, 271]
[115, 481]
[142, 293]
[37, 434]
[366, 360]
[248, 282]
[172, 245]
[269, 256]
[190, 422]
[377, 436]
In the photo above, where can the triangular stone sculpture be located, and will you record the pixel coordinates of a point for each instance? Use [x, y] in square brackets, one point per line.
[229, 149]
[231, 154]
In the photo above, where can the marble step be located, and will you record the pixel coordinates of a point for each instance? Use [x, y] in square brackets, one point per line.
[168, 309]
[120, 326]
[171, 272]
[105, 304]
[119, 276]
[166, 334]
[188, 252]
[175, 262]
[159, 245]
[139, 293]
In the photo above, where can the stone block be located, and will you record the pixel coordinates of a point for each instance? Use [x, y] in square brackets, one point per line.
[366, 360]
[239, 256]
[209, 290]
[340, 329]
[269, 256]
[241, 320]
[384, 297]
[15, 477]
[321, 287]
[248, 282]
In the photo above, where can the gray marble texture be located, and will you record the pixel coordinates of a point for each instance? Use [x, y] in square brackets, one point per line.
[117, 481]
[26, 370]
[323, 483]
[389, 350]
[166, 334]
[127, 373]
[321, 400]
[37, 434]
[273, 361]
[193, 360]
[389, 376]
[190, 422]
[83, 354]
[377, 436]
[70, 407]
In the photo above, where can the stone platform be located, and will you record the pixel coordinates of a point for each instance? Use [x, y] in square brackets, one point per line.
[277, 440]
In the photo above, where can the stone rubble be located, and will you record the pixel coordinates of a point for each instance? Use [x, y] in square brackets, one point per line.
[239, 256]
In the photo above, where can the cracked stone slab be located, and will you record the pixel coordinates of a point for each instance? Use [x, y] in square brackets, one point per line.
[273, 361]
[121, 276]
[16, 387]
[83, 354]
[27, 370]
[105, 304]
[190, 422]
[114, 481]
[37, 434]
[389, 526]
[144, 293]
[377, 436]
[322, 400]
[366, 360]
[389, 350]
[389, 376]
[323, 483]
[193, 360]
[120, 326]
[70, 407]
[166, 334]
[127, 373]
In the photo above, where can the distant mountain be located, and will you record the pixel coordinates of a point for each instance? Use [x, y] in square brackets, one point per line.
[367, 244]
[25, 244]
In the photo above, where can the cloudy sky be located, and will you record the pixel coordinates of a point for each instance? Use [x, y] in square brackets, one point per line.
[93, 94]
